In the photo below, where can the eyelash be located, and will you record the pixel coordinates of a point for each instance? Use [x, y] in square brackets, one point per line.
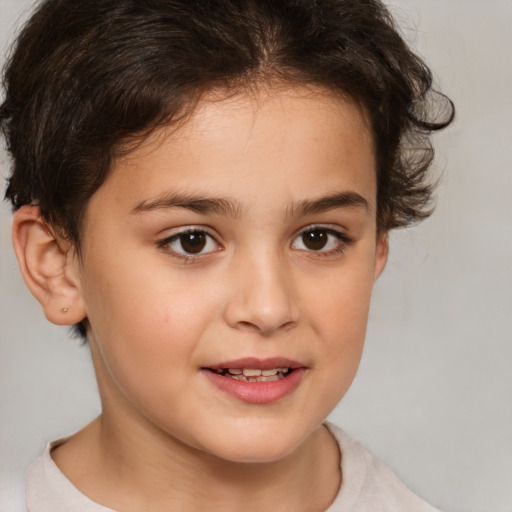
[343, 240]
[165, 244]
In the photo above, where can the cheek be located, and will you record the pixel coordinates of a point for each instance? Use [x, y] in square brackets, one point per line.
[339, 315]
[340, 305]
[146, 325]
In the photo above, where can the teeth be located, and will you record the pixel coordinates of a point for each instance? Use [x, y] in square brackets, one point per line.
[260, 378]
[251, 372]
[254, 374]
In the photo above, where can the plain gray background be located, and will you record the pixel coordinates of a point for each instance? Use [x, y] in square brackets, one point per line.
[433, 396]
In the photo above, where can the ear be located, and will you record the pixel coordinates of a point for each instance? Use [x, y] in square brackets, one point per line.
[49, 267]
[381, 254]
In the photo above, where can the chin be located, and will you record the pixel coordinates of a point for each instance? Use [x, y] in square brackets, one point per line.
[256, 454]
[253, 445]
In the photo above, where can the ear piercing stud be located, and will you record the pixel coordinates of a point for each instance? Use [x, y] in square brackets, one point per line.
[65, 310]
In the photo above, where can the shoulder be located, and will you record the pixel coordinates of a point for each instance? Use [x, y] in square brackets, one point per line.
[48, 490]
[368, 484]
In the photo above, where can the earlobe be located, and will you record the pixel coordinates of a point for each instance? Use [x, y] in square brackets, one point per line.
[381, 254]
[49, 269]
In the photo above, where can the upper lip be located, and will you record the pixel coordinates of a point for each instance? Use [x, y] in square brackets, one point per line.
[256, 363]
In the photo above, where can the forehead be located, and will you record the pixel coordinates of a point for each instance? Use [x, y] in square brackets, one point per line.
[286, 144]
[272, 109]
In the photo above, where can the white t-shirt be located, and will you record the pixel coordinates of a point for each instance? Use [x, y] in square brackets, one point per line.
[368, 485]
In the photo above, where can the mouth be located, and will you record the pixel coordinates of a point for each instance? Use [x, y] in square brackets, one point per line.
[253, 374]
[256, 381]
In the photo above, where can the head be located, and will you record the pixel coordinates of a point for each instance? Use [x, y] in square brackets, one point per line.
[121, 98]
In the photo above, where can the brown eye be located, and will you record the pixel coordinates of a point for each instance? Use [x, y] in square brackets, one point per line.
[315, 239]
[190, 243]
[321, 240]
[193, 242]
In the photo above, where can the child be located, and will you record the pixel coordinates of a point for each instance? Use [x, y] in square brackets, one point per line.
[204, 190]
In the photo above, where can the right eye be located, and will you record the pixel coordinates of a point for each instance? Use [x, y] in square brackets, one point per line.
[191, 242]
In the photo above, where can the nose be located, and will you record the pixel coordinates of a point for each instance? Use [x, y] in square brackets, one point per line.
[262, 298]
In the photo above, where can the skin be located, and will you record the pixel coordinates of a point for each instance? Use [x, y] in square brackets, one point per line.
[157, 317]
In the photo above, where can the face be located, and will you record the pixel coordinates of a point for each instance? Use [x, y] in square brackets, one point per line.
[227, 269]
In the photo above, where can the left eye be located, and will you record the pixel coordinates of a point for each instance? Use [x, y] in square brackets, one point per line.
[192, 242]
[318, 240]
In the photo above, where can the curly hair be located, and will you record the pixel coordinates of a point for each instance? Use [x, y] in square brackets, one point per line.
[86, 78]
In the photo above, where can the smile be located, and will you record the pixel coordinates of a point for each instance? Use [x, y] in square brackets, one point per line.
[254, 374]
[256, 381]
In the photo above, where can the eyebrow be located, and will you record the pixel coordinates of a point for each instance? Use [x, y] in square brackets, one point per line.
[331, 202]
[206, 205]
[231, 208]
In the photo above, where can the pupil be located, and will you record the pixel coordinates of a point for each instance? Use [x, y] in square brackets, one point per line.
[315, 239]
[193, 242]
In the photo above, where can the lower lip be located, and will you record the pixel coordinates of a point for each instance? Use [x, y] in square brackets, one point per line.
[257, 392]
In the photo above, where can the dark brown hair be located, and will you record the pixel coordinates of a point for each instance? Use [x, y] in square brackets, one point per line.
[86, 78]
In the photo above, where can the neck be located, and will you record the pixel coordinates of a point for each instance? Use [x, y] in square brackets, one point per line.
[137, 469]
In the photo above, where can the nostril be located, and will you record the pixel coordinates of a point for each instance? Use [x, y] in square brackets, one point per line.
[265, 330]
[248, 326]
[261, 309]
[288, 325]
